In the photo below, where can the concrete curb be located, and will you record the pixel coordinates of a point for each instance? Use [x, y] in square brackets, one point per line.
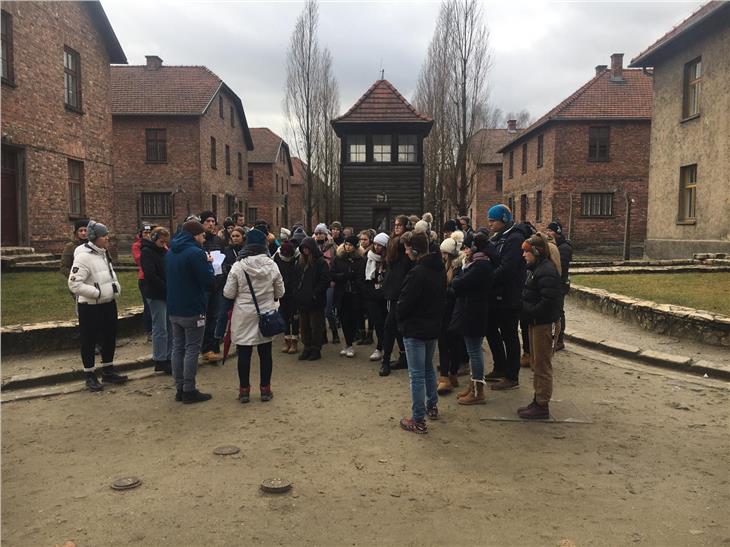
[650, 357]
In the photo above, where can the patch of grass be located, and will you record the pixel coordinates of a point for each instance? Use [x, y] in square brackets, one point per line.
[32, 297]
[702, 291]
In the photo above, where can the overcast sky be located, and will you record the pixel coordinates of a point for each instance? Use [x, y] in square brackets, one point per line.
[542, 51]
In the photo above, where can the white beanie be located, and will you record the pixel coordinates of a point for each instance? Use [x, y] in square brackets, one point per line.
[458, 237]
[422, 226]
[322, 228]
[449, 246]
[382, 239]
[284, 234]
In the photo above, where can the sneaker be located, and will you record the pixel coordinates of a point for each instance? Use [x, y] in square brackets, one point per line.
[505, 384]
[93, 384]
[195, 396]
[433, 413]
[112, 377]
[343, 351]
[266, 393]
[493, 376]
[409, 424]
[244, 394]
[535, 412]
[377, 355]
[350, 353]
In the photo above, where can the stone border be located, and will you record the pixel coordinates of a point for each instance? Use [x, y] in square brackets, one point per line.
[60, 335]
[705, 327]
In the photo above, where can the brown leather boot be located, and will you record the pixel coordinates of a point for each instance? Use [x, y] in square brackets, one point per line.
[476, 395]
[444, 385]
[468, 388]
[454, 380]
[287, 345]
[293, 348]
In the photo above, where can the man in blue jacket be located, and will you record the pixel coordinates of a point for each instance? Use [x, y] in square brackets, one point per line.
[189, 275]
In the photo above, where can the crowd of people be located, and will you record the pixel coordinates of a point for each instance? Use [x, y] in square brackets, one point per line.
[412, 288]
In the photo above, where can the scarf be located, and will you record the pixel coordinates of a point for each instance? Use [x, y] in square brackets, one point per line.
[372, 265]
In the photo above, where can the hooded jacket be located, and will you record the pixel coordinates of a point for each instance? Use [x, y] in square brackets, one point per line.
[92, 278]
[472, 287]
[542, 297]
[422, 299]
[268, 285]
[565, 247]
[313, 278]
[511, 270]
[152, 262]
[189, 276]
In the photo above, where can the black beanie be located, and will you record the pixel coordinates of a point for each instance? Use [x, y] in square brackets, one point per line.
[556, 227]
[205, 215]
[352, 240]
[450, 226]
[81, 223]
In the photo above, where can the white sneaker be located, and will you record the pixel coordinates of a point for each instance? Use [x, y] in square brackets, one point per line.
[377, 355]
[343, 351]
[349, 352]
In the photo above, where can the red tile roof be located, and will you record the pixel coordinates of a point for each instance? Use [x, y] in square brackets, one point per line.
[486, 142]
[266, 146]
[648, 56]
[179, 90]
[382, 103]
[602, 99]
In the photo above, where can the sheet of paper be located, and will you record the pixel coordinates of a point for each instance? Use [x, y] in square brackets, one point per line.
[218, 258]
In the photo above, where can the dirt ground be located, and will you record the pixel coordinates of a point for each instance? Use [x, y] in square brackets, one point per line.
[652, 468]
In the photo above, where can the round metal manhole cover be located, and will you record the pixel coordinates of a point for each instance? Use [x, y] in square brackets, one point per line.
[126, 483]
[227, 450]
[276, 486]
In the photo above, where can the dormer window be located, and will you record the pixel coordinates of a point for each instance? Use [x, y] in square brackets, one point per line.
[381, 148]
[356, 149]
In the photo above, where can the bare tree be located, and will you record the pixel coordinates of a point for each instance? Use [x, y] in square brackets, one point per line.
[303, 73]
[328, 151]
[523, 118]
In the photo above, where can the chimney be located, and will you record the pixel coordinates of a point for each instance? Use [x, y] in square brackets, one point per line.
[153, 62]
[600, 68]
[617, 67]
[512, 126]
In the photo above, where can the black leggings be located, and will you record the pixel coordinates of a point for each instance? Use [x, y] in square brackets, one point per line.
[391, 334]
[450, 353]
[98, 325]
[244, 363]
[349, 314]
[377, 310]
[504, 341]
[288, 310]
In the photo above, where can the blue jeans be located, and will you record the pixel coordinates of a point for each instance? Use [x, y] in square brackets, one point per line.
[476, 356]
[187, 335]
[161, 330]
[423, 378]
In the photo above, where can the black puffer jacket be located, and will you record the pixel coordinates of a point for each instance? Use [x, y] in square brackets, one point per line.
[344, 272]
[395, 273]
[312, 280]
[542, 296]
[566, 257]
[510, 273]
[152, 262]
[422, 299]
[472, 288]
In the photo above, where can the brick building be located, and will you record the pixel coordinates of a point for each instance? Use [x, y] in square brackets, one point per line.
[689, 176]
[181, 145]
[488, 168]
[56, 120]
[580, 162]
[269, 178]
[297, 207]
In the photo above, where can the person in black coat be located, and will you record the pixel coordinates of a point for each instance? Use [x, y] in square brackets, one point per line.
[397, 265]
[420, 310]
[311, 297]
[472, 288]
[541, 299]
[450, 343]
[505, 302]
[236, 239]
[555, 229]
[346, 265]
[210, 347]
[286, 260]
[373, 276]
[154, 291]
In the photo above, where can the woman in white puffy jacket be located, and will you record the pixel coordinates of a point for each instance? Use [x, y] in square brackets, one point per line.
[268, 286]
[96, 287]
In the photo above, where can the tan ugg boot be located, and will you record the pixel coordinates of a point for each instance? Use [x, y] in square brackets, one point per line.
[444, 385]
[287, 345]
[294, 344]
[454, 380]
[469, 388]
[476, 395]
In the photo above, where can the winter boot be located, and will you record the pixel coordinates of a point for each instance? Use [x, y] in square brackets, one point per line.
[454, 380]
[163, 366]
[195, 396]
[109, 376]
[385, 366]
[444, 386]
[287, 345]
[244, 394]
[304, 356]
[266, 393]
[469, 388]
[401, 363]
[475, 396]
[314, 355]
[535, 411]
[92, 383]
[293, 343]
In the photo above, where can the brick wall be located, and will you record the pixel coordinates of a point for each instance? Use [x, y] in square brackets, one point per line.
[265, 197]
[34, 119]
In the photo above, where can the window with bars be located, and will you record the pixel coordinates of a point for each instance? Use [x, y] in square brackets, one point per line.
[228, 159]
[250, 179]
[523, 207]
[213, 153]
[524, 158]
[156, 204]
[407, 148]
[598, 143]
[75, 188]
[540, 151]
[230, 205]
[538, 206]
[156, 141]
[692, 88]
[356, 148]
[72, 78]
[214, 204]
[498, 180]
[688, 193]
[595, 204]
[381, 148]
[253, 214]
[511, 203]
[240, 166]
[7, 48]
[511, 169]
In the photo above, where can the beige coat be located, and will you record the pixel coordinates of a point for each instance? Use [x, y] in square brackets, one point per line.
[268, 286]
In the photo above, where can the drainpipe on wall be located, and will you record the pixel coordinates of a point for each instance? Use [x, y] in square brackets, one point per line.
[570, 218]
[627, 228]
